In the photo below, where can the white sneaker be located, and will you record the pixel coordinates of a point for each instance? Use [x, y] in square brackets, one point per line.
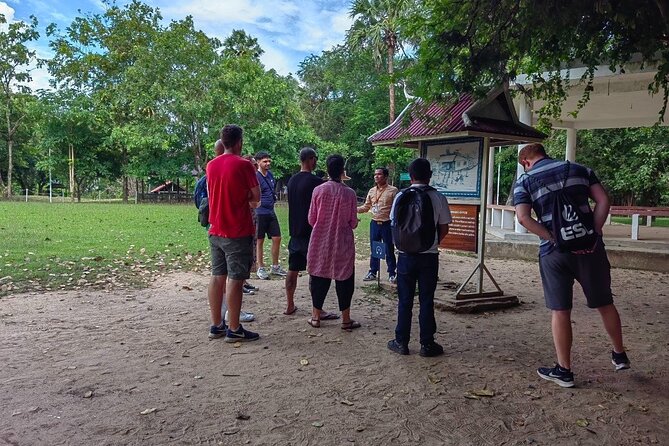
[276, 269]
[243, 316]
[262, 273]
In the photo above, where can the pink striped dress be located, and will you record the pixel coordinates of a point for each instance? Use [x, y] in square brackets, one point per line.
[333, 215]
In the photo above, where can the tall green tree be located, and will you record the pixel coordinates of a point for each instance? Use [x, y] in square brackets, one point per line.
[95, 55]
[377, 25]
[15, 58]
[471, 46]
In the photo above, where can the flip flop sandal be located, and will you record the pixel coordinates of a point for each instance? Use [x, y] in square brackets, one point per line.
[288, 313]
[315, 323]
[350, 325]
[327, 316]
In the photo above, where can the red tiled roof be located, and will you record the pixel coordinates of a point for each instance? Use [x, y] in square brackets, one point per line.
[418, 120]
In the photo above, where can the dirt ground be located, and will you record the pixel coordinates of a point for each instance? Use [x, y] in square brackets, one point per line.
[135, 367]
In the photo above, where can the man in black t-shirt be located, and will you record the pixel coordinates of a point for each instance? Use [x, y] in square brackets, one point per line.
[300, 188]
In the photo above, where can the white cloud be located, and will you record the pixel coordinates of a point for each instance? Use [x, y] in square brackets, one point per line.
[8, 12]
[272, 58]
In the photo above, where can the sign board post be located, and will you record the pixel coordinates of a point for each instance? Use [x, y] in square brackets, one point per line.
[379, 252]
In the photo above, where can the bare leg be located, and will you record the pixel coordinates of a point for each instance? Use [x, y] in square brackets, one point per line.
[315, 314]
[291, 285]
[562, 336]
[234, 302]
[276, 245]
[611, 320]
[215, 295]
[259, 253]
[346, 316]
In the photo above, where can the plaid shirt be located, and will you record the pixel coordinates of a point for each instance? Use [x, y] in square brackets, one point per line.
[535, 186]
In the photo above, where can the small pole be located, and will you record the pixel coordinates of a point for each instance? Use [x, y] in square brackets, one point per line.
[499, 166]
[62, 191]
[50, 190]
[26, 195]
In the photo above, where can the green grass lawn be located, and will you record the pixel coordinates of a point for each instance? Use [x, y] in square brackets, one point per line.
[63, 245]
[658, 221]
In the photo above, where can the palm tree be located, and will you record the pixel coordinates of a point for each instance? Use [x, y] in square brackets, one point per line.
[377, 26]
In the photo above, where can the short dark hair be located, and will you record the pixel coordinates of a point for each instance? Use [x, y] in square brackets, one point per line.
[382, 169]
[307, 153]
[261, 156]
[335, 166]
[419, 170]
[231, 134]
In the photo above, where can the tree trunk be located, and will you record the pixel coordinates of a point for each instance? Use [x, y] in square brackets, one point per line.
[125, 175]
[391, 85]
[71, 166]
[10, 158]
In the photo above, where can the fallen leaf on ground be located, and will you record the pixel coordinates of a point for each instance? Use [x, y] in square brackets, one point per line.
[88, 394]
[148, 411]
[242, 416]
[483, 392]
[237, 344]
[346, 402]
[433, 379]
[198, 377]
[471, 396]
[582, 422]
[317, 424]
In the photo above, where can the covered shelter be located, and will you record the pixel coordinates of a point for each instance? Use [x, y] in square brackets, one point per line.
[456, 136]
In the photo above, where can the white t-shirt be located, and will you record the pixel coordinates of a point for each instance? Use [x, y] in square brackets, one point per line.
[442, 213]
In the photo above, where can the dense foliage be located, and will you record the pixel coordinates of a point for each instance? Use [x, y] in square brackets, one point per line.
[137, 101]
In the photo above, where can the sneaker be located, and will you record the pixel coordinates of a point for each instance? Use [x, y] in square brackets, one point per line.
[431, 349]
[243, 316]
[276, 269]
[248, 291]
[262, 273]
[240, 335]
[250, 287]
[620, 360]
[369, 277]
[392, 278]
[398, 348]
[218, 331]
[562, 377]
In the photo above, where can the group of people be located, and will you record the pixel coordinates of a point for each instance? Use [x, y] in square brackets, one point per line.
[323, 214]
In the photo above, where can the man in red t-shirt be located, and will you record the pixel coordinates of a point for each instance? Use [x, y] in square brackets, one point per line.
[231, 185]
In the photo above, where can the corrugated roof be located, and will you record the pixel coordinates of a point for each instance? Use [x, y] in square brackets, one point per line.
[421, 121]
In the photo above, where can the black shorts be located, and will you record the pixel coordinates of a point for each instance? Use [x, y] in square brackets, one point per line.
[268, 225]
[592, 271]
[297, 253]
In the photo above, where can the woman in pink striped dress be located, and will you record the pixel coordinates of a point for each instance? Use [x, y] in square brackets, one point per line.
[331, 254]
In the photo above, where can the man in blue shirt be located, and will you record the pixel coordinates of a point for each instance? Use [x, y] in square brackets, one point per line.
[536, 190]
[268, 224]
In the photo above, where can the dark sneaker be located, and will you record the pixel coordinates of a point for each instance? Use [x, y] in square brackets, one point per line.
[248, 286]
[392, 278]
[369, 277]
[218, 331]
[240, 335]
[561, 376]
[398, 348]
[431, 349]
[620, 360]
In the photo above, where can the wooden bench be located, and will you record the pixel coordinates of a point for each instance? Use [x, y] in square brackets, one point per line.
[635, 212]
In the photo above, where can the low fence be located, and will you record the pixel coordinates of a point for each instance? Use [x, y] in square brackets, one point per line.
[165, 197]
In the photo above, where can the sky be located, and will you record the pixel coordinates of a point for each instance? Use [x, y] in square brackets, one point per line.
[287, 30]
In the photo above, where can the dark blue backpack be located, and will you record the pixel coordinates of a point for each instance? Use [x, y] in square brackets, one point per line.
[202, 201]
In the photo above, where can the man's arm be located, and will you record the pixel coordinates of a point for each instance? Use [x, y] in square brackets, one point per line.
[368, 203]
[254, 196]
[523, 213]
[602, 205]
[443, 230]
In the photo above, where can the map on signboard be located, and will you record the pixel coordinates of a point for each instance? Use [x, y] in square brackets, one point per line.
[456, 167]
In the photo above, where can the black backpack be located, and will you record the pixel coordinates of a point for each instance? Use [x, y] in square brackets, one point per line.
[203, 212]
[413, 226]
[573, 229]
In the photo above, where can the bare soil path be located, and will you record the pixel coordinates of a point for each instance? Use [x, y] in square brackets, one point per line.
[135, 367]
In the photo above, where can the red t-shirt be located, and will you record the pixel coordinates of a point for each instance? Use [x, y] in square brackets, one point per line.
[229, 180]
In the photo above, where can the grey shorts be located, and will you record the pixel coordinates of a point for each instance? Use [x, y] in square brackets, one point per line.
[592, 271]
[231, 256]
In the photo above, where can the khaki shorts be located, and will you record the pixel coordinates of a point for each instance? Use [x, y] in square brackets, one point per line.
[231, 256]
